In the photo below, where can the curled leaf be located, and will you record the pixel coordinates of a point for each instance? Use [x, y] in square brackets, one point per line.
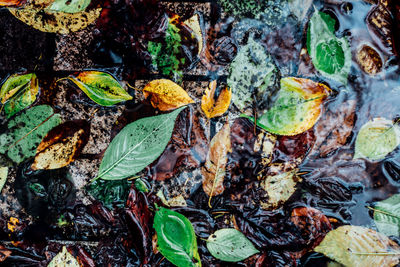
[18, 92]
[194, 24]
[166, 95]
[101, 87]
[69, 6]
[376, 139]
[230, 245]
[62, 145]
[215, 108]
[3, 176]
[64, 259]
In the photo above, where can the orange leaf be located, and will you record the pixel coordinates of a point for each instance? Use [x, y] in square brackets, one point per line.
[214, 108]
[10, 2]
[166, 95]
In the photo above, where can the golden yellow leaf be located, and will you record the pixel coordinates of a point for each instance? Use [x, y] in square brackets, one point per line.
[194, 24]
[214, 108]
[166, 95]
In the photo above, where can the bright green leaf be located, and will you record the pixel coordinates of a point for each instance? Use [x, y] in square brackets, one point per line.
[387, 216]
[176, 239]
[101, 87]
[230, 245]
[137, 145]
[3, 176]
[69, 6]
[376, 139]
[25, 132]
[18, 92]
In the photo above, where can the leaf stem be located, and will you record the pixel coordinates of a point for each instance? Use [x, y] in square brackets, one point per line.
[383, 212]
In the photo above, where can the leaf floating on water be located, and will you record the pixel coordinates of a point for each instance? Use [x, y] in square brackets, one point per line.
[215, 108]
[176, 239]
[166, 95]
[64, 259]
[356, 246]
[369, 60]
[387, 216]
[26, 132]
[69, 6]
[62, 145]
[3, 176]
[376, 139]
[101, 87]
[230, 245]
[18, 92]
[137, 145]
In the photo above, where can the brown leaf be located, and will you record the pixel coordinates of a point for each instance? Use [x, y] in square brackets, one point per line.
[62, 145]
[4, 253]
[380, 23]
[369, 60]
[214, 170]
[215, 108]
[166, 95]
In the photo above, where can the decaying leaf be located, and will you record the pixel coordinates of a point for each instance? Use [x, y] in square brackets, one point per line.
[101, 87]
[166, 95]
[4, 253]
[194, 24]
[56, 22]
[369, 60]
[356, 246]
[62, 145]
[380, 23]
[11, 2]
[69, 6]
[215, 108]
[214, 169]
[264, 144]
[64, 259]
[3, 177]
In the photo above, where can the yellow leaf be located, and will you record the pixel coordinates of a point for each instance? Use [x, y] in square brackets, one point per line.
[214, 108]
[166, 95]
[194, 24]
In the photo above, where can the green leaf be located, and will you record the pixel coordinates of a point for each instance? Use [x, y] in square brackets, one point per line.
[230, 245]
[387, 215]
[18, 92]
[3, 176]
[69, 6]
[141, 186]
[330, 55]
[176, 239]
[137, 145]
[101, 87]
[252, 76]
[376, 139]
[357, 246]
[110, 192]
[25, 132]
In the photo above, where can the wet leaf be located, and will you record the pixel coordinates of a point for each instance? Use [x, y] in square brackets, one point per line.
[253, 77]
[64, 259]
[4, 253]
[330, 55]
[380, 23]
[215, 108]
[62, 145]
[136, 146]
[358, 246]
[297, 108]
[69, 6]
[18, 92]
[3, 176]
[376, 139]
[215, 167]
[369, 60]
[101, 87]
[110, 192]
[11, 2]
[176, 239]
[26, 132]
[387, 215]
[56, 22]
[166, 95]
[230, 245]
[194, 24]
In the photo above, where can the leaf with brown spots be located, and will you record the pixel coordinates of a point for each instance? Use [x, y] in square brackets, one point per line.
[62, 145]
[215, 108]
[166, 95]
[369, 60]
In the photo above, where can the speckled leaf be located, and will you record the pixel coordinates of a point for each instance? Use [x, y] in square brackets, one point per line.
[215, 108]
[194, 24]
[69, 6]
[387, 216]
[230, 245]
[376, 139]
[18, 92]
[101, 87]
[3, 176]
[176, 239]
[356, 246]
[137, 145]
[64, 259]
[26, 131]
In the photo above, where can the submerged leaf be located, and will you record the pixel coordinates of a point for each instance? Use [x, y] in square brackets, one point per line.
[136, 146]
[64, 259]
[356, 246]
[387, 215]
[18, 92]
[369, 60]
[62, 145]
[3, 176]
[176, 239]
[26, 132]
[230, 245]
[376, 139]
[166, 95]
[69, 6]
[101, 87]
[216, 108]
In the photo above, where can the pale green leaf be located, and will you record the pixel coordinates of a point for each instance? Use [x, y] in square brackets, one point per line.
[64, 259]
[387, 215]
[3, 176]
[69, 6]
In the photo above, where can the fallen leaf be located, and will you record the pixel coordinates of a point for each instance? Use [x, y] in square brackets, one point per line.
[369, 60]
[3, 176]
[166, 95]
[194, 24]
[68, 6]
[356, 246]
[11, 2]
[380, 23]
[215, 108]
[214, 169]
[64, 259]
[4, 253]
[387, 215]
[62, 145]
